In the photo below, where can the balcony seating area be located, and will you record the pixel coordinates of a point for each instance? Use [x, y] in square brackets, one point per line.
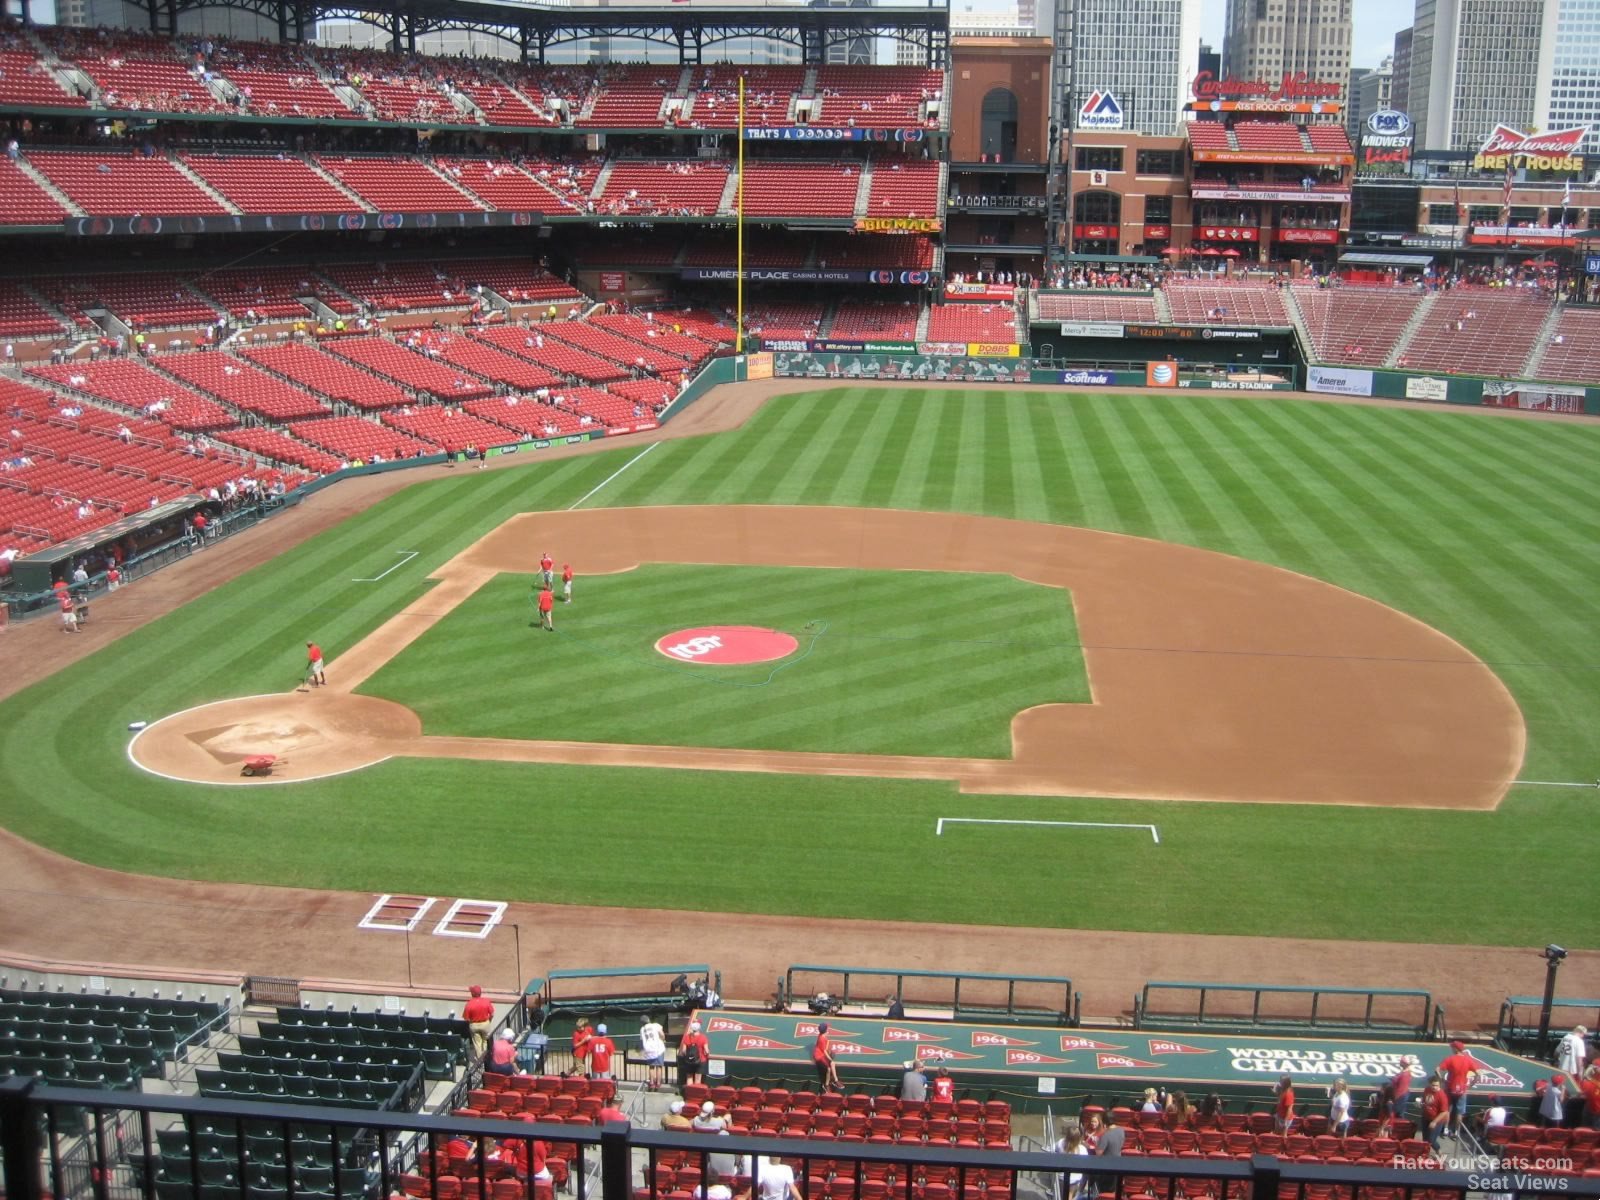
[972, 323]
[543, 86]
[1276, 137]
[279, 447]
[904, 188]
[245, 387]
[1328, 139]
[705, 324]
[629, 97]
[490, 362]
[876, 97]
[392, 184]
[269, 292]
[652, 394]
[1195, 303]
[265, 183]
[501, 105]
[876, 320]
[410, 369]
[1209, 135]
[860, 1117]
[1067, 307]
[526, 416]
[1573, 358]
[555, 354]
[400, 287]
[407, 100]
[451, 428]
[139, 72]
[787, 322]
[292, 92]
[874, 252]
[775, 189]
[617, 348]
[146, 299]
[503, 185]
[767, 97]
[24, 202]
[25, 81]
[21, 316]
[658, 333]
[109, 184]
[676, 188]
[357, 438]
[570, 179]
[1497, 332]
[129, 385]
[517, 279]
[1355, 325]
[330, 376]
[107, 1042]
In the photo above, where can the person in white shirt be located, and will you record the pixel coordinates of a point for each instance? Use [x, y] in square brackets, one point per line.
[775, 1180]
[653, 1046]
[1571, 1051]
[707, 1121]
[1339, 1108]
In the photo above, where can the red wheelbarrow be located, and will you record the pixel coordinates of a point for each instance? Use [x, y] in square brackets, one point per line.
[262, 764]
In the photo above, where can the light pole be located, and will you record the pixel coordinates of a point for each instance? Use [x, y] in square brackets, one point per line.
[1553, 957]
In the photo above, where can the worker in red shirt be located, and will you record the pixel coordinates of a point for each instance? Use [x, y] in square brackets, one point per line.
[478, 1013]
[547, 607]
[547, 567]
[1283, 1113]
[601, 1048]
[693, 1051]
[566, 583]
[822, 1059]
[314, 674]
[1458, 1071]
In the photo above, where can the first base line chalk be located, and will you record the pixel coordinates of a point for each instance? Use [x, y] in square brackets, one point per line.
[612, 476]
[938, 831]
[406, 556]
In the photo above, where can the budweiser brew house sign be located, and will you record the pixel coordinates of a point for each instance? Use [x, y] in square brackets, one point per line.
[1510, 148]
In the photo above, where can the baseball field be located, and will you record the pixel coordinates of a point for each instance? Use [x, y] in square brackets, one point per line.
[1413, 592]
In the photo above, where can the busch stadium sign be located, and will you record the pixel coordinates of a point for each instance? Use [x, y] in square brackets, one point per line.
[1510, 148]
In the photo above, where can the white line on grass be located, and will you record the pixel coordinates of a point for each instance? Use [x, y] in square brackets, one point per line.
[612, 476]
[1155, 834]
[409, 555]
[1553, 783]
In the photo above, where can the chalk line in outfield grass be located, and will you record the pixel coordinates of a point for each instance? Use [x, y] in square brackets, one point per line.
[612, 476]
[406, 556]
[938, 831]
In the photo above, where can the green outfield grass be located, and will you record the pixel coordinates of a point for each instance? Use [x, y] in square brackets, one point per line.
[1483, 527]
[883, 665]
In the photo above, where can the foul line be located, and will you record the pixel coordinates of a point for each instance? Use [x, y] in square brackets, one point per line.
[1552, 783]
[938, 831]
[409, 555]
[612, 476]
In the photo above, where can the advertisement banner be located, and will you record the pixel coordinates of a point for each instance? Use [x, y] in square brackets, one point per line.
[1105, 329]
[1293, 88]
[981, 291]
[1163, 374]
[1203, 191]
[758, 366]
[149, 226]
[1191, 333]
[993, 350]
[1101, 110]
[1227, 233]
[1157, 231]
[1289, 157]
[1533, 397]
[814, 133]
[1423, 387]
[1338, 381]
[1554, 151]
[1591, 264]
[612, 281]
[1098, 233]
[897, 225]
[901, 366]
[1088, 378]
[1309, 237]
[945, 348]
[1518, 235]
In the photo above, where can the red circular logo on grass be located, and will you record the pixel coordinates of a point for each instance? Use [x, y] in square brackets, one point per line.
[727, 645]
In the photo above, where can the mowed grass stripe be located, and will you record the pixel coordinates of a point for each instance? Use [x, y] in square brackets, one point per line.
[800, 480]
[893, 452]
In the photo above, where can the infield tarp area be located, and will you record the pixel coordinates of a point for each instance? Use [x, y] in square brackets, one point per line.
[1106, 1057]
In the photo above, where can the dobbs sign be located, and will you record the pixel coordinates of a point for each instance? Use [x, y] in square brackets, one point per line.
[1553, 151]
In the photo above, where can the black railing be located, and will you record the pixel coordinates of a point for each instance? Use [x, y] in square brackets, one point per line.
[85, 1144]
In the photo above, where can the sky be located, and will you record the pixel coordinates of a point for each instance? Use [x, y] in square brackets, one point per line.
[1376, 21]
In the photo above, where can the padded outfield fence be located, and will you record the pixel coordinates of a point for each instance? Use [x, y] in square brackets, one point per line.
[953, 995]
[1290, 1010]
[371, 1155]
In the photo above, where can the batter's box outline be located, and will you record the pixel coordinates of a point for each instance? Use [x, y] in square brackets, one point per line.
[488, 914]
[418, 904]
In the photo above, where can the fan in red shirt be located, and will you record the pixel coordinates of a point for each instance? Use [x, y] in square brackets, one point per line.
[693, 1051]
[944, 1088]
[582, 1038]
[601, 1048]
[1435, 1112]
[1458, 1071]
[478, 1013]
[1590, 1090]
[1283, 1114]
[822, 1059]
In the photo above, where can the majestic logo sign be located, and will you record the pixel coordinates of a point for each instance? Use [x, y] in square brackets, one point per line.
[1556, 150]
[1293, 86]
[1102, 110]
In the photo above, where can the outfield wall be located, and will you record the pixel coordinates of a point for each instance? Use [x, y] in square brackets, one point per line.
[1475, 391]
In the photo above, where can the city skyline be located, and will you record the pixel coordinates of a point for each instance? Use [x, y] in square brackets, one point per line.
[1376, 22]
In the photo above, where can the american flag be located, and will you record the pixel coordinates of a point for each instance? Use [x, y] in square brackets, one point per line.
[1566, 203]
[1505, 196]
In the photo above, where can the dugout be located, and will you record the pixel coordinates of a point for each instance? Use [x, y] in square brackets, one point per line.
[34, 573]
[938, 995]
[1518, 1028]
[1291, 1010]
[620, 997]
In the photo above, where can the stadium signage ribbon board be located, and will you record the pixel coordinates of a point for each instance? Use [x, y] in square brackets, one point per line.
[145, 225]
[1553, 151]
[897, 225]
[1187, 1058]
[814, 133]
[1295, 92]
[1191, 333]
[803, 275]
[1091, 329]
[968, 290]
[1338, 381]
[1310, 237]
[1288, 157]
[1290, 195]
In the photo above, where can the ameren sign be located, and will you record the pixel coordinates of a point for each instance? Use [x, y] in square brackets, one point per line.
[1553, 151]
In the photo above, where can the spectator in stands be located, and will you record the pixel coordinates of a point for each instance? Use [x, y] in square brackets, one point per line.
[1400, 1086]
[652, 1037]
[1179, 1113]
[706, 1120]
[674, 1119]
[1493, 1116]
[822, 1059]
[1572, 1050]
[1283, 1111]
[1553, 1101]
[693, 1050]
[1070, 1144]
[944, 1088]
[503, 1054]
[69, 619]
[913, 1083]
[1210, 1112]
[1151, 1102]
[1590, 1089]
[582, 1036]
[775, 1180]
[1339, 1108]
[478, 1013]
[1459, 1070]
[601, 1050]
[1435, 1112]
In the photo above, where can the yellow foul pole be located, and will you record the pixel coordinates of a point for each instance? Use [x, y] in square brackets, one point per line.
[738, 319]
